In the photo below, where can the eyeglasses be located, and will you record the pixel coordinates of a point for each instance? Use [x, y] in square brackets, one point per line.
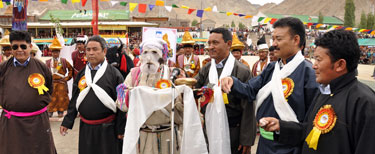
[23, 46]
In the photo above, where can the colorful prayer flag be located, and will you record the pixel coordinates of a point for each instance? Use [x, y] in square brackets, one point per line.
[184, 7]
[229, 13]
[174, 6]
[191, 11]
[260, 19]
[169, 8]
[319, 25]
[123, 3]
[200, 13]
[215, 9]
[75, 1]
[142, 8]
[132, 6]
[150, 6]
[267, 20]
[208, 9]
[159, 3]
[64, 1]
[248, 16]
[273, 20]
[1, 4]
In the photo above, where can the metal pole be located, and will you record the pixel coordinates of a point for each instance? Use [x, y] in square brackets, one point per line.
[172, 119]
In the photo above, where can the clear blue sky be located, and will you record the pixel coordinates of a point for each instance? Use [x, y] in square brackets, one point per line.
[262, 2]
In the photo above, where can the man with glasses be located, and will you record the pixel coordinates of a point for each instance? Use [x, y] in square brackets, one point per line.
[26, 87]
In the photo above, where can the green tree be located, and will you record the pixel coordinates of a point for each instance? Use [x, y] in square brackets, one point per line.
[370, 21]
[194, 23]
[241, 26]
[233, 24]
[363, 23]
[321, 18]
[349, 17]
[58, 27]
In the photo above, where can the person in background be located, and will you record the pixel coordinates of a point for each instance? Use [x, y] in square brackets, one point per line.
[236, 50]
[59, 67]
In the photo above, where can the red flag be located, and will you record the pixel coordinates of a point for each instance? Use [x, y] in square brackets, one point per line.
[95, 16]
[273, 20]
[191, 11]
[142, 8]
[236, 14]
[84, 2]
[309, 24]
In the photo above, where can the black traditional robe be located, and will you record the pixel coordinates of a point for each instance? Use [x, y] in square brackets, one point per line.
[305, 89]
[354, 131]
[102, 138]
[240, 113]
[19, 135]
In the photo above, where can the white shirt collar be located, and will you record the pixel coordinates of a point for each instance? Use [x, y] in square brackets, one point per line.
[326, 90]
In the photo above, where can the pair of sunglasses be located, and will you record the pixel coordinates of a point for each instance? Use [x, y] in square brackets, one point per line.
[22, 46]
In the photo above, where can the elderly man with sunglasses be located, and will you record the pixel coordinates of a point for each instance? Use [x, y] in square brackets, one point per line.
[25, 90]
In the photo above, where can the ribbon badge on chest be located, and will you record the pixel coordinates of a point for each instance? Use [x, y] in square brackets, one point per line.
[162, 84]
[288, 86]
[82, 83]
[323, 123]
[37, 81]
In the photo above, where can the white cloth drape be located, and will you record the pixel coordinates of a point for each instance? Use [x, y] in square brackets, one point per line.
[99, 92]
[216, 115]
[143, 101]
[282, 107]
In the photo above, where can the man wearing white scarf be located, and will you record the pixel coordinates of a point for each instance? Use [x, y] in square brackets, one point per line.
[229, 120]
[285, 89]
[94, 94]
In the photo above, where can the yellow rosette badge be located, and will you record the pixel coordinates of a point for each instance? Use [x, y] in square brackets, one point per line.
[162, 84]
[323, 123]
[37, 81]
[82, 83]
[288, 86]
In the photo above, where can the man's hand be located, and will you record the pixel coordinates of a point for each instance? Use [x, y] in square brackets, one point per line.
[226, 84]
[120, 137]
[245, 149]
[63, 130]
[270, 124]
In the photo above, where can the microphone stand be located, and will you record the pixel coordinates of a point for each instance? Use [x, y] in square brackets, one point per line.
[173, 88]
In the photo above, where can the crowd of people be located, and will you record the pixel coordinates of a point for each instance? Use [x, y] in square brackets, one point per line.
[124, 104]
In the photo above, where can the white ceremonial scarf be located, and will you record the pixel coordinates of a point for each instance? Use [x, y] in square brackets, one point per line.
[282, 107]
[216, 115]
[144, 100]
[99, 92]
[54, 70]
[259, 69]
[188, 62]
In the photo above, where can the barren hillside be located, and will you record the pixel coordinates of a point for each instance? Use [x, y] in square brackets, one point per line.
[313, 7]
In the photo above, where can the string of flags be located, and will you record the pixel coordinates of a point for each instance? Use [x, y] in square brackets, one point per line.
[142, 8]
